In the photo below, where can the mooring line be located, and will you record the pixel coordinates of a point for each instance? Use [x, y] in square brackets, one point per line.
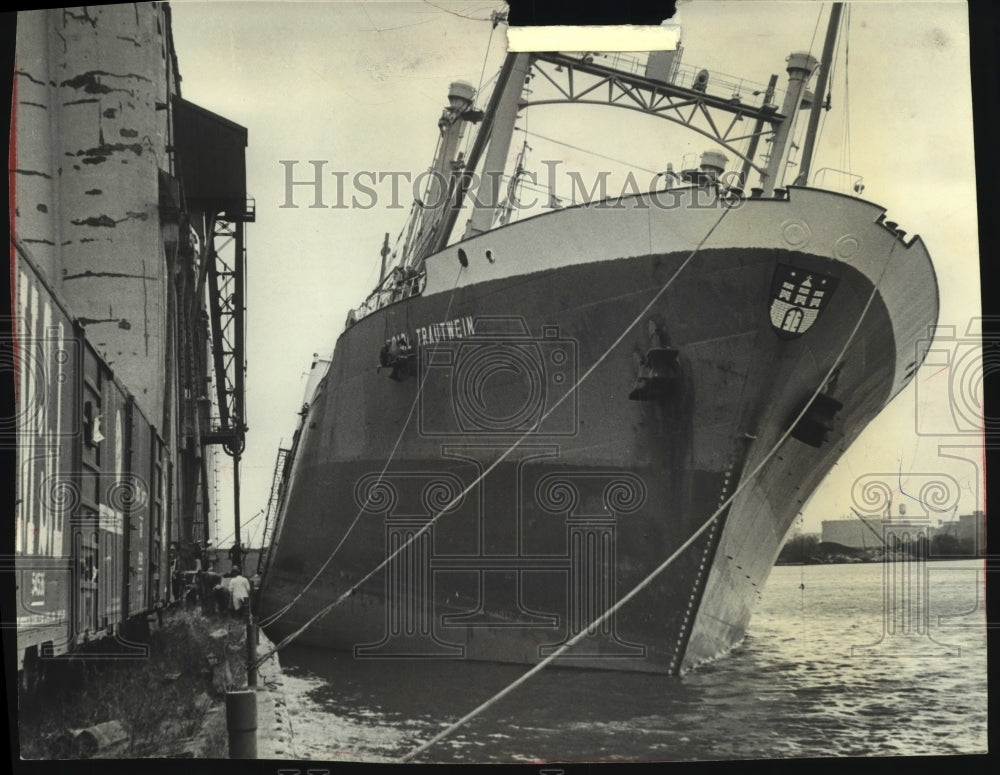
[326, 609]
[663, 566]
[271, 619]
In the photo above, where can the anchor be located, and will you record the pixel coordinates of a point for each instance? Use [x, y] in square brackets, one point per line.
[657, 375]
[817, 423]
[399, 357]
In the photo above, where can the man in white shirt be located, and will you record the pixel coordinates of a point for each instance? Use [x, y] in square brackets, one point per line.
[239, 589]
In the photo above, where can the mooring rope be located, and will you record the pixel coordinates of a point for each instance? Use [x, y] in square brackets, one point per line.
[666, 563]
[272, 618]
[487, 470]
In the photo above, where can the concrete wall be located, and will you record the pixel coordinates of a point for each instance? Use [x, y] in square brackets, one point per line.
[91, 130]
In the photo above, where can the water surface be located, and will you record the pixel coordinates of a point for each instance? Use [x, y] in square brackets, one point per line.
[818, 675]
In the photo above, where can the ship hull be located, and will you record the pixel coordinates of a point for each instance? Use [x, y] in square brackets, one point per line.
[516, 489]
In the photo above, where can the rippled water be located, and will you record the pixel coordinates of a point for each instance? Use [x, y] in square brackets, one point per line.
[817, 675]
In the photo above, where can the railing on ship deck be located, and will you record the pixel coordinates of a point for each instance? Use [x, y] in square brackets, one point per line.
[401, 290]
[685, 76]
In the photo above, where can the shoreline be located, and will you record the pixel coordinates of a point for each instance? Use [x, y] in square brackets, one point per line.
[861, 560]
[275, 735]
[171, 704]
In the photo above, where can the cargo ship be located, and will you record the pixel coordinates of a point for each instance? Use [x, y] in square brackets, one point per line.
[522, 426]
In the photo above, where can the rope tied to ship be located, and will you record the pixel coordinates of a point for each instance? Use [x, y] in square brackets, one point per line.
[488, 469]
[655, 573]
[268, 620]
[666, 563]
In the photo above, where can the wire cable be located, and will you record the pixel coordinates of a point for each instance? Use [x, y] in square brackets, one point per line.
[284, 609]
[487, 470]
[587, 150]
[666, 563]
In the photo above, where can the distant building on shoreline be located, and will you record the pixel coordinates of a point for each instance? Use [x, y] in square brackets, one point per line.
[854, 532]
[969, 531]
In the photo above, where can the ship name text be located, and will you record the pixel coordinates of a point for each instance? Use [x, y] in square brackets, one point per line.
[448, 330]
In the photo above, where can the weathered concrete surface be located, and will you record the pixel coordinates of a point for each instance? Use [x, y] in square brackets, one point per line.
[274, 723]
[91, 139]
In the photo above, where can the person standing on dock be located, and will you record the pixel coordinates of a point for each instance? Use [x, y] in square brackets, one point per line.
[239, 589]
[236, 555]
[210, 580]
[220, 594]
[254, 589]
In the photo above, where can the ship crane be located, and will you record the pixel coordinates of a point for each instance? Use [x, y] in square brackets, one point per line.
[659, 90]
[656, 92]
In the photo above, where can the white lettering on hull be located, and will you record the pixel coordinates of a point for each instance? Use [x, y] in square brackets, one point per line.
[448, 330]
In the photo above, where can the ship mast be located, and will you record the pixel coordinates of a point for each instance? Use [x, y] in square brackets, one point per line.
[426, 219]
[818, 101]
[487, 198]
[503, 106]
[800, 68]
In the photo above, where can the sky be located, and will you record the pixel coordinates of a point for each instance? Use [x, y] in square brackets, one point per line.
[360, 86]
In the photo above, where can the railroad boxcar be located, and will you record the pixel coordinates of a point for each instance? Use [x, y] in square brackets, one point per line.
[93, 509]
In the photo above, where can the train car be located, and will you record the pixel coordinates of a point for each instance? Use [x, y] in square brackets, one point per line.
[93, 509]
[43, 344]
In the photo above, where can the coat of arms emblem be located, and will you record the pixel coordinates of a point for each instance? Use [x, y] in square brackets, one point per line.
[797, 298]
